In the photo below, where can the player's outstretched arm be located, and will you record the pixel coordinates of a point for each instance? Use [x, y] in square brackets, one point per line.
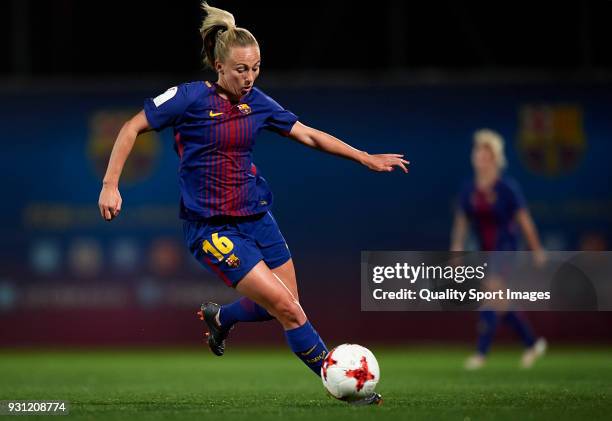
[110, 199]
[328, 143]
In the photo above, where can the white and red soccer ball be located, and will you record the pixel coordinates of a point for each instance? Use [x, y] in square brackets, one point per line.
[350, 372]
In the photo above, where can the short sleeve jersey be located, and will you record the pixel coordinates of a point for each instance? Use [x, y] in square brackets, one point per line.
[214, 139]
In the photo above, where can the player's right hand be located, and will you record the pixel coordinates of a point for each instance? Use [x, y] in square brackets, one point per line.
[109, 202]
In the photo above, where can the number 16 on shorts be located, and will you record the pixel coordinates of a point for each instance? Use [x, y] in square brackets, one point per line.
[220, 247]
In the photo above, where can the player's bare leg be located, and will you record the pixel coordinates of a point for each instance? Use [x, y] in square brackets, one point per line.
[286, 274]
[268, 290]
[218, 330]
[261, 290]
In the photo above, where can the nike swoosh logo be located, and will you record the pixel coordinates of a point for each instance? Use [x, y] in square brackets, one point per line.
[211, 114]
[309, 351]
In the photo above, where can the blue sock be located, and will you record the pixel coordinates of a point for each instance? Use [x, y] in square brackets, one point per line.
[306, 343]
[243, 310]
[521, 327]
[486, 330]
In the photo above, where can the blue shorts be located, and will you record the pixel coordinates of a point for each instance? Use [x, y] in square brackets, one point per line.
[231, 246]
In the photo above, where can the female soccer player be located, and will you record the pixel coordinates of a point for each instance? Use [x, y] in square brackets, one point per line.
[225, 203]
[493, 205]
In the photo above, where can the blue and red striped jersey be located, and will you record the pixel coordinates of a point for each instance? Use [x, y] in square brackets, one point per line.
[214, 140]
[492, 215]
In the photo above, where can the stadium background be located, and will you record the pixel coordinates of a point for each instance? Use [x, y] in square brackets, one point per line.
[390, 78]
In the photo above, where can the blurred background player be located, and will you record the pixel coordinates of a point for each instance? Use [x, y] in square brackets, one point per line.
[492, 205]
[225, 203]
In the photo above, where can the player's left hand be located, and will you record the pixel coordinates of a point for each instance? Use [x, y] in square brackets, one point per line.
[386, 162]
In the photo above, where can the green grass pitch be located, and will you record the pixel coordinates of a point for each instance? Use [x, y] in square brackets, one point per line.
[257, 384]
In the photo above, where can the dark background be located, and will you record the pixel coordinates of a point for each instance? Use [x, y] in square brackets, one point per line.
[110, 38]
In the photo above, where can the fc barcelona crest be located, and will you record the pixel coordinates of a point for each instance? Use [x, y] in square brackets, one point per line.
[233, 261]
[551, 138]
[244, 109]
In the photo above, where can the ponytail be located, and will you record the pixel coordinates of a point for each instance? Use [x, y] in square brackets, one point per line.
[220, 33]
